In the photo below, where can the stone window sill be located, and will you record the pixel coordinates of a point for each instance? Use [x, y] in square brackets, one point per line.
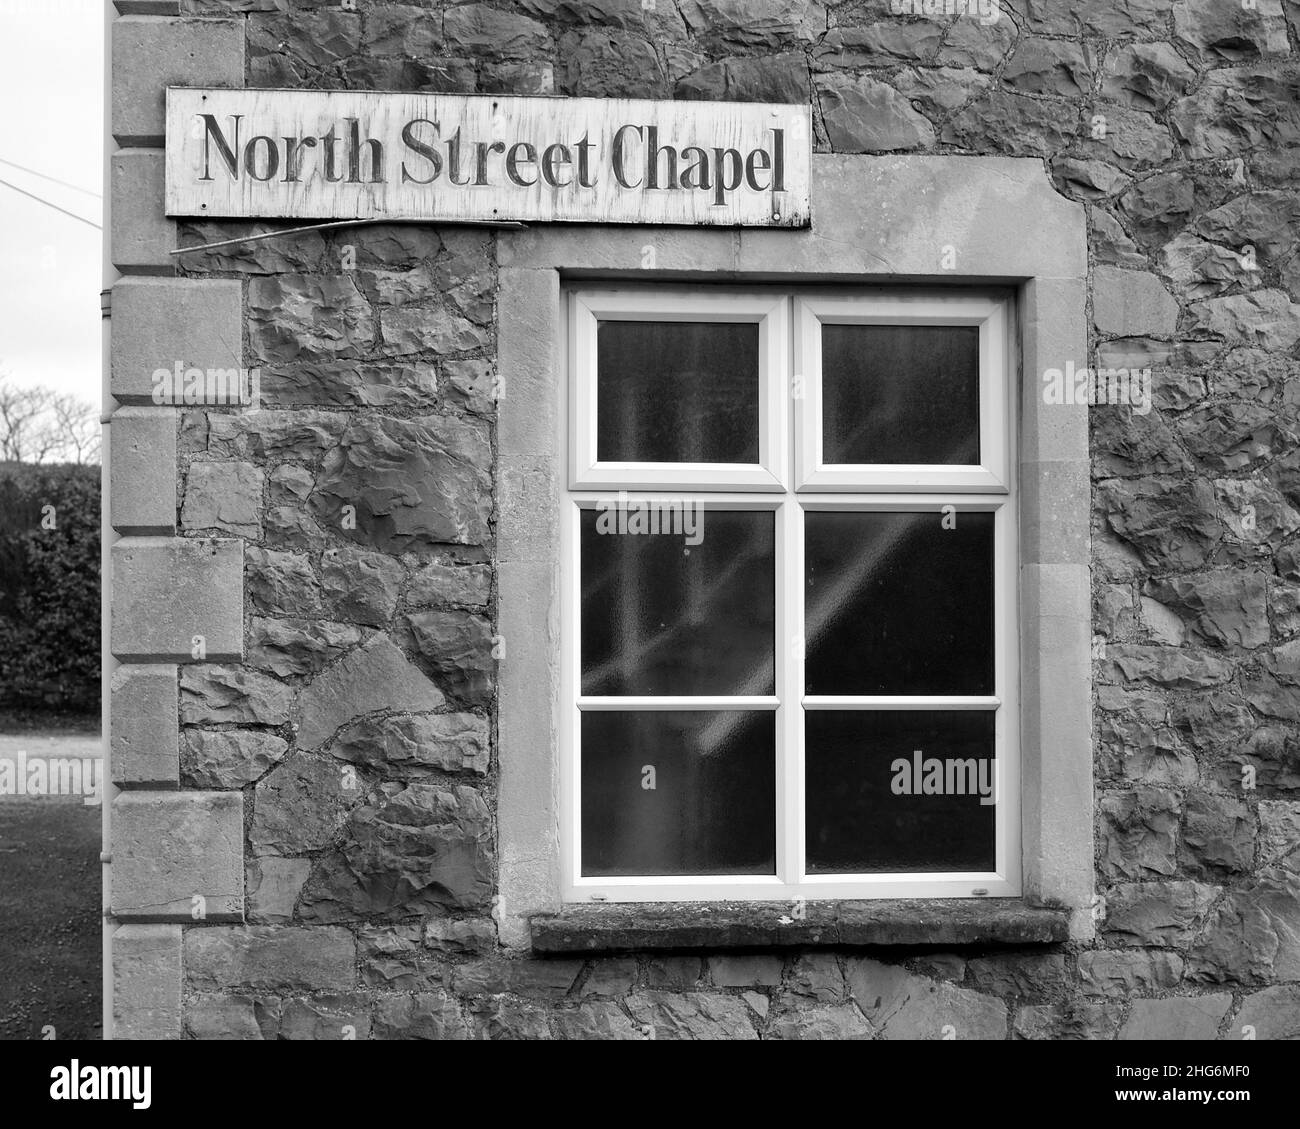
[642, 926]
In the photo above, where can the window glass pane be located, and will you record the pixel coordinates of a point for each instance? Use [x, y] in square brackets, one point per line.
[898, 603]
[900, 394]
[674, 613]
[674, 392]
[899, 791]
[679, 792]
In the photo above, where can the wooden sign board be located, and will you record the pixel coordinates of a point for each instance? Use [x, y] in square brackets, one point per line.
[340, 155]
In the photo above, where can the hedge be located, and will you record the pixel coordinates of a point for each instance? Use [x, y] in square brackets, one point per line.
[49, 586]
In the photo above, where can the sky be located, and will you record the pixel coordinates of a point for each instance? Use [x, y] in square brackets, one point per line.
[51, 121]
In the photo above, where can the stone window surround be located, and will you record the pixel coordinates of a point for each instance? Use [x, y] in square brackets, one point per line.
[875, 220]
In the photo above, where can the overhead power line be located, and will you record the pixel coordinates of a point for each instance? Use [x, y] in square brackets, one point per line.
[51, 179]
[42, 200]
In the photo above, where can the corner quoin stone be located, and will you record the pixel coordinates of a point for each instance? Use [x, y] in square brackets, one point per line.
[169, 591]
[159, 323]
[142, 236]
[178, 856]
[147, 982]
[145, 746]
[142, 471]
[151, 54]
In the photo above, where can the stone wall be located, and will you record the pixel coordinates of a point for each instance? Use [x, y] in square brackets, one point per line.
[296, 865]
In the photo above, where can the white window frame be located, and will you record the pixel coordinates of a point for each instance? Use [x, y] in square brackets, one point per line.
[878, 493]
[770, 312]
[991, 474]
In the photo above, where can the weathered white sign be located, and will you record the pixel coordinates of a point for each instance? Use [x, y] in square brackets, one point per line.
[337, 155]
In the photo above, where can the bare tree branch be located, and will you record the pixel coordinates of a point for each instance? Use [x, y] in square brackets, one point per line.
[38, 425]
[76, 428]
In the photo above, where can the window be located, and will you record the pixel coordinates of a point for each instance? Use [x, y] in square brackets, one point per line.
[789, 598]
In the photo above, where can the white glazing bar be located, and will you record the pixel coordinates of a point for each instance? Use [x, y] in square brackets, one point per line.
[796, 644]
[898, 702]
[786, 797]
[613, 705]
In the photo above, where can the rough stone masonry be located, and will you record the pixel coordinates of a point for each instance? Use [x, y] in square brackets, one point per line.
[321, 760]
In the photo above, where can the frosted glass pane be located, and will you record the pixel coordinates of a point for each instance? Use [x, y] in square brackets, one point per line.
[899, 791]
[678, 792]
[674, 392]
[900, 394]
[662, 616]
[898, 603]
